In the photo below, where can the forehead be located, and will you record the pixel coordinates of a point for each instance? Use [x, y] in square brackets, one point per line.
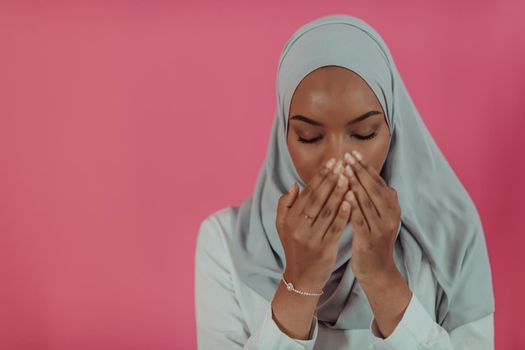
[334, 85]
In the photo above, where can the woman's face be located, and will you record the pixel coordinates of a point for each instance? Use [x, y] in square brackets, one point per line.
[333, 111]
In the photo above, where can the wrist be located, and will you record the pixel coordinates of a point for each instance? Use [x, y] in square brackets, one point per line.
[388, 295]
[380, 279]
[301, 284]
[293, 313]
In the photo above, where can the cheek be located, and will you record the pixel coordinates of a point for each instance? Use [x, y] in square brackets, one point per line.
[305, 162]
[378, 151]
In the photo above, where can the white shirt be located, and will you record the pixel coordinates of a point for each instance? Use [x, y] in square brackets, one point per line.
[230, 315]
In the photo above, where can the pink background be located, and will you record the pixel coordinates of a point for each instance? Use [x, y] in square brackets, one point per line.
[124, 124]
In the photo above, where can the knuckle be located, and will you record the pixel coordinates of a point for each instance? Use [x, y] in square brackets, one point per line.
[335, 228]
[326, 212]
[393, 226]
[295, 236]
[307, 189]
[314, 198]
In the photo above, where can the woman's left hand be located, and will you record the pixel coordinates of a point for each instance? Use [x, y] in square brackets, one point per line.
[375, 217]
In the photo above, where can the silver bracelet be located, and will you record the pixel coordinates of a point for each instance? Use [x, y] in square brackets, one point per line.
[290, 287]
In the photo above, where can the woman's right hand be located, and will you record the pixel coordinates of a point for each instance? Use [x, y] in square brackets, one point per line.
[311, 245]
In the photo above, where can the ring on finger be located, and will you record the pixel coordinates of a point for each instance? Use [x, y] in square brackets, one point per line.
[307, 216]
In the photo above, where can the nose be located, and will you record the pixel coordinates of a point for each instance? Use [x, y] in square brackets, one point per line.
[336, 149]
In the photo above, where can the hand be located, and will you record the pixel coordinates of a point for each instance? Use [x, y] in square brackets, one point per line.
[311, 244]
[375, 217]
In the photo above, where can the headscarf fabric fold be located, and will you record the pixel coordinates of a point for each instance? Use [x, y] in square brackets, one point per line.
[439, 220]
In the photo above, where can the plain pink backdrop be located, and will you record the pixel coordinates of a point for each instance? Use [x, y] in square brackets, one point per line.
[124, 124]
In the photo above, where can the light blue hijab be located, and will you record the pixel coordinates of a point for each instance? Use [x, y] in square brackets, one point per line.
[438, 217]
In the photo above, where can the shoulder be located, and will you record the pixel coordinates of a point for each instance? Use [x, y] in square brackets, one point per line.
[215, 232]
[219, 222]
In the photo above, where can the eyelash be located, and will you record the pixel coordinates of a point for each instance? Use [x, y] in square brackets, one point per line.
[360, 138]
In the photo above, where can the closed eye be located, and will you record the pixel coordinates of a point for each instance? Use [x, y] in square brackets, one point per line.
[316, 139]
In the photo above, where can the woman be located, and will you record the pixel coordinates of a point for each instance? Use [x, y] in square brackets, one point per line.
[358, 233]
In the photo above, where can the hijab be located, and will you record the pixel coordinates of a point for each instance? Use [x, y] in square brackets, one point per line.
[439, 220]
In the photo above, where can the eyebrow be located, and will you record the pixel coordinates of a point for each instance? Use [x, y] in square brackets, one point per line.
[315, 122]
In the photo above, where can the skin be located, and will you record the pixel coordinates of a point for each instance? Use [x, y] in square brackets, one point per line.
[334, 96]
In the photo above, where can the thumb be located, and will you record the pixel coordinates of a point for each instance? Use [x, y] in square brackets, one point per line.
[290, 196]
[285, 203]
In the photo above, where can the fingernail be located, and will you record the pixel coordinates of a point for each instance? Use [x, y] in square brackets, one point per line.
[291, 188]
[349, 196]
[338, 167]
[330, 163]
[351, 159]
[341, 180]
[357, 154]
[349, 170]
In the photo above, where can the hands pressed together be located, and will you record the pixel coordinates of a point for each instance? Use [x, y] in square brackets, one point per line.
[311, 222]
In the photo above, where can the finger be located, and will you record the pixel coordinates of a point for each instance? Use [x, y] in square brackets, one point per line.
[372, 170]
[311, 186]
[319, 196]
[330, 209]
[285, 202]
[367, 207]
[356, 216]
[375, 192]
[338, 224]
[388, 192]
